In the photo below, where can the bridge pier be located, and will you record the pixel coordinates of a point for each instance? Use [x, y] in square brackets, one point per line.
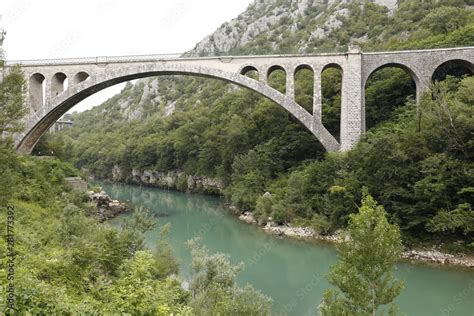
[352, 101]
[290, 84]
[317, 99]
[422, 85]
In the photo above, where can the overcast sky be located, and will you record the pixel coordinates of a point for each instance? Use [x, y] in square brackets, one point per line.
[88, 28]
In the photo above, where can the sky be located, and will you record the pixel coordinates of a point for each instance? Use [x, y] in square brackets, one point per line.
[88, 28]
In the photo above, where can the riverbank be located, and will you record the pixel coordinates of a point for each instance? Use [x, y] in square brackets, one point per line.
[428, 256]
[432, 256]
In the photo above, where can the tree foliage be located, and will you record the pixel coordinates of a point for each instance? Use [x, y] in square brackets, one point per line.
[214, 290]
[12, 107]
[363, 274]
[419, 166]
[70, 263]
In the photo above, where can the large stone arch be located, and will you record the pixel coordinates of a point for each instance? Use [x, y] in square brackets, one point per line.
[447, 66]
[405, 67]
[40, 121]
[415, 87]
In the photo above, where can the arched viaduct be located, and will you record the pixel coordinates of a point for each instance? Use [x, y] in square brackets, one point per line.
[55, 86]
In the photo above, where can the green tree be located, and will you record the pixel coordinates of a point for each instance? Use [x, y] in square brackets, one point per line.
[213, 287]
[12, 107]
[138, 290]
[445, 19]
[8, 165]
[364, 271]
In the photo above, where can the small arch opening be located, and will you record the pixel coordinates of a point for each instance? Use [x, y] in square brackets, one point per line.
[37, 88]
[277, 78]
[304, 87]
[250, 71]
[80, 77]
[387, 89]
[331, 97]
[455, 68]
[58, 84]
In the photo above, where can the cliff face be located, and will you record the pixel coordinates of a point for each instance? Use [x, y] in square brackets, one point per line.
[312, 19]
[175, 180]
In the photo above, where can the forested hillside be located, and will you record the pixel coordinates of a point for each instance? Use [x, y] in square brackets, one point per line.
[417, 161]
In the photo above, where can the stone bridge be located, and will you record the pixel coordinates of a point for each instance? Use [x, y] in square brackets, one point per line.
[55, 86]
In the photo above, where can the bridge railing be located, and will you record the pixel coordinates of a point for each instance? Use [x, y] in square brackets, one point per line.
[91, 60]
[158, 57]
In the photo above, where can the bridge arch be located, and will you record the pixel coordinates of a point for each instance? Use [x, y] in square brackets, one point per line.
[403, 83]
[331, 97]
[80, 77]
[250, 71]
[333, 65]
[40, 122]
[58, 82]
[454, 67]
[303, 67]
[275, 68]
[303, 94]
[273, 71]
[244, 70]
[404, 67]
[37, 89]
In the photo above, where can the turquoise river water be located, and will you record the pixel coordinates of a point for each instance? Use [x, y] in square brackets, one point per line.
[292, 272]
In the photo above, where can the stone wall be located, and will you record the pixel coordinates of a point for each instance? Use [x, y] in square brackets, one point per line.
[77, 183]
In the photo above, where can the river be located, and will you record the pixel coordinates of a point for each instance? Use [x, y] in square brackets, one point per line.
[292, 272]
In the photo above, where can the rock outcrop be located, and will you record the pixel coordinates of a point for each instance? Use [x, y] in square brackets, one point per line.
[435, 256]
[290, 231]
[171, 180]
[107, 207]
[271, 17]
[248, 218]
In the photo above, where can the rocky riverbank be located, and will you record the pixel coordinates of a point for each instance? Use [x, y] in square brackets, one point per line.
[175, 180]
[107, 207]
[426, 256]
[438, 257]
[287, 230]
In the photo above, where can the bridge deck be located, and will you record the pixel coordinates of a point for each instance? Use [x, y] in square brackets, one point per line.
[181, 57]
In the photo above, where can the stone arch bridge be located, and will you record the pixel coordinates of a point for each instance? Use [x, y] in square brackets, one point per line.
[55, 86]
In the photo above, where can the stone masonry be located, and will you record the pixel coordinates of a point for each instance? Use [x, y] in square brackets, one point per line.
[49, 97]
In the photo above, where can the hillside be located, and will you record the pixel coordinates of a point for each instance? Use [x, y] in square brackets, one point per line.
[215, 137]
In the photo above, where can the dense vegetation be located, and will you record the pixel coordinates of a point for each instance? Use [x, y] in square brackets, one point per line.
[57, 259]
[418, 165]
[416, 161]
[67, 263]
